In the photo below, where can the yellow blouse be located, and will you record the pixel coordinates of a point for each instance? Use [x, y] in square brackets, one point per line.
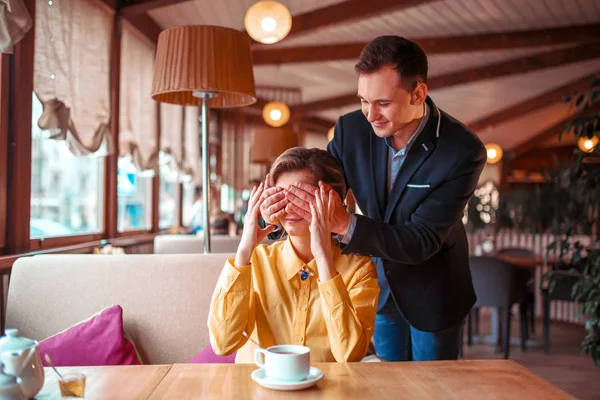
[269, 301]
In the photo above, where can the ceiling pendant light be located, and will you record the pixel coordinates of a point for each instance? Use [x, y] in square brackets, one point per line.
[268, 21]
[586, 144]
[494, 153]
[276, 113]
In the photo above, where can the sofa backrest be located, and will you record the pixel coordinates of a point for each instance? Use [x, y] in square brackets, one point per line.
[194, 244]
[165, 298]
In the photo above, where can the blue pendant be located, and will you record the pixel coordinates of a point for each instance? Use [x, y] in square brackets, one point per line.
[304, 275]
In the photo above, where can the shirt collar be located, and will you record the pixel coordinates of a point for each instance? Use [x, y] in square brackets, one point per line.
[388, 140]
[292, 264]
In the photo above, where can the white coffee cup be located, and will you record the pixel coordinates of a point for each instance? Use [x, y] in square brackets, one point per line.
[284, 362]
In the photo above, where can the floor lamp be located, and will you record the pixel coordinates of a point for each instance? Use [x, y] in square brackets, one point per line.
[206, 66]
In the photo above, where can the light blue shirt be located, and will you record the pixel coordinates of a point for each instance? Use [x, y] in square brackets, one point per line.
[396, 158]
[395, 161]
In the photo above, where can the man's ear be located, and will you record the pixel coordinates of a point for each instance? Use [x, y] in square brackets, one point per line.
[419, 94]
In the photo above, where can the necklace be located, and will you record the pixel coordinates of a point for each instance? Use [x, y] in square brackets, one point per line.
[304, 272]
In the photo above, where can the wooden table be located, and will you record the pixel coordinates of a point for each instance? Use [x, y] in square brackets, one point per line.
[114, 382]
[523, 261]
[495, 379]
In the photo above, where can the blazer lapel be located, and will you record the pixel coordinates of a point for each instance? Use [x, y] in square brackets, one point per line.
[379, 171]
[418, 153]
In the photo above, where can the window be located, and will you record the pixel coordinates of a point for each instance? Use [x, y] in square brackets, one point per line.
[66, 190]
[167, 196]
[189, 197]
[138, 130]
[134, 190]
[227, 199]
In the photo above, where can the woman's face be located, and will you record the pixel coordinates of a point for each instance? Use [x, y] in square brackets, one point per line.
[292, 223]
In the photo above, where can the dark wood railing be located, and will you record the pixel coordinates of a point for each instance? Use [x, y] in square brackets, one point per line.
[140, 243]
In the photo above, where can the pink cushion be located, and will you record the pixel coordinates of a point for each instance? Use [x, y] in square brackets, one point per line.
[99, 340]
[208, 356]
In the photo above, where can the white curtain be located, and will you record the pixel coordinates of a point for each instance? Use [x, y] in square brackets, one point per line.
[138, 112]
[171, 132]
[15, 22]
[192, 162]
[72, 72]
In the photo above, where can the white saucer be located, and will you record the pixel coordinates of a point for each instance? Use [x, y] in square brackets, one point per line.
[314, 376]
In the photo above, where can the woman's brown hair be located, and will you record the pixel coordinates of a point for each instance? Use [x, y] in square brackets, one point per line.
[323, 166]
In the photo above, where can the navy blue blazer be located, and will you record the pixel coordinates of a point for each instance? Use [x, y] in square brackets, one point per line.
[416, 236]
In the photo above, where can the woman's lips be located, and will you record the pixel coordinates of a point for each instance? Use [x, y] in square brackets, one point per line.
[292, 221]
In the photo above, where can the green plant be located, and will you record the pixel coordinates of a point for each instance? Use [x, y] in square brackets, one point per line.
[573, 203]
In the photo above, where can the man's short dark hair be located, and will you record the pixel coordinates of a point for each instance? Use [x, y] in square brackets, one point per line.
[198, 191]
[405, 56]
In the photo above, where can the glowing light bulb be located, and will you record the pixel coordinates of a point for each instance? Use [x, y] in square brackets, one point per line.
[275, 115]
[268, 24]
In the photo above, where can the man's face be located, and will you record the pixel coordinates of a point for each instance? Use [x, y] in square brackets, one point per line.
[386, 104]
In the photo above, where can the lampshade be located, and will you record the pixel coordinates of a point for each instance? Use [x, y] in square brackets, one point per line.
[330, 133]
[586, 144]
[268, 21]
[494, 153]
[276, 113]
[268, 143]
[203, 58]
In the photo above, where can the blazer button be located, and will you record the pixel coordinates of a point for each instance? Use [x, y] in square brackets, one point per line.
[388, 273]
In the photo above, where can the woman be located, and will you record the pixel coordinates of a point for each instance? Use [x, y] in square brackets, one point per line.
[300, 290]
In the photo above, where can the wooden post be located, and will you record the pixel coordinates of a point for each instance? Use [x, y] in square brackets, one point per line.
[4, 104]
[156, 179]
[111, 166]
[19, 142]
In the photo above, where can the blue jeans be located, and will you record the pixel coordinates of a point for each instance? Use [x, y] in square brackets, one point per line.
[396, 340]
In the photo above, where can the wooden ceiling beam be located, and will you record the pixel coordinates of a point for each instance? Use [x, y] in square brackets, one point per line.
[506, 68]
[435, 45]
[317, 124]
[537, 139]
[533, 104]
[346, 11]
[130, 8]
[146, 25]
[543, 159]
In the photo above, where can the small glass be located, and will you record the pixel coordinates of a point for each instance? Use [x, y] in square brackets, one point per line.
[73, 385]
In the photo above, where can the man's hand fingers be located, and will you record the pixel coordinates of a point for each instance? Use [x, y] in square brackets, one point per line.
[292, 208]
[278, 215]
[272, 199]
[303, 191]
[298, 201]
[271, 191]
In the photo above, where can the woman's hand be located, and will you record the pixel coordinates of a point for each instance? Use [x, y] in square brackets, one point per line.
[252, 234]
[320, 233]
[273, 206]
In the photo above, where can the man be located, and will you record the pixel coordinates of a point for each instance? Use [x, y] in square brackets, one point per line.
[412, 169]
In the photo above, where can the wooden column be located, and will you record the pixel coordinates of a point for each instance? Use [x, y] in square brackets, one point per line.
[111, 200]
[4, 88]
[156, 179]
[506, 171]
[19, 142]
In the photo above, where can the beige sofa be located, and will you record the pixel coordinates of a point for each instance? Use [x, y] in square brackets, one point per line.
[192, 244]
[165, 298]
